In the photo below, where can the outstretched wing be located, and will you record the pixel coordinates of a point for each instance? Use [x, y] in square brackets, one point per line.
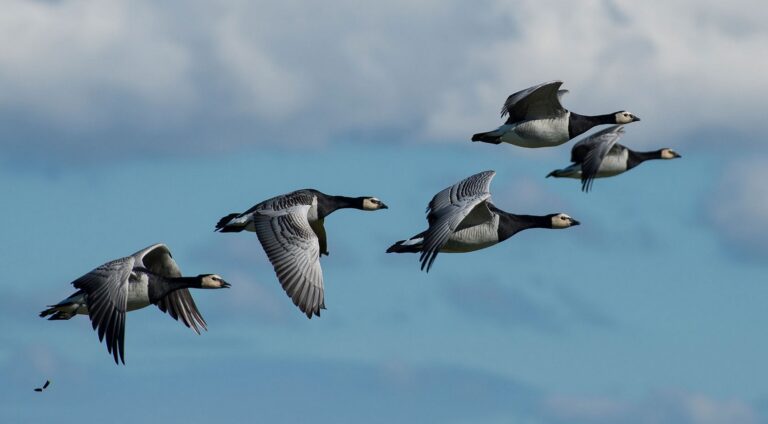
[449, 208]
[591, 151]
[158, 259]
[319, 228]
[274, 203]
[106, 289]
[179, 304]
[540, 101]
[294, 251]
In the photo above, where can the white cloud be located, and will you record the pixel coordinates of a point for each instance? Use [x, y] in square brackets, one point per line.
[680, 65]
[299, 72]
[69, 63]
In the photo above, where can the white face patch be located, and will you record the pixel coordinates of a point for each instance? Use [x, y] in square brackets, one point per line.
[669, 154]
[371, 204]
[625, 117]
[211, 281]
[562, 220]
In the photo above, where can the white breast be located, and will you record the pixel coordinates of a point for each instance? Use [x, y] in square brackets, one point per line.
[538, 133]
[473, 238]
[613, 164]
[138, 293]
[312, 212]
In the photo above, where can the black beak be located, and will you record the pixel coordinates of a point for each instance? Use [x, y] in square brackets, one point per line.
[677, 155]
[635, 119]
[383, 206]
[575, 222]
[225, 285]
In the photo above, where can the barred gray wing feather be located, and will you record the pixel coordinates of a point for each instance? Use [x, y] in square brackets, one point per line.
[180, 305]
[449, 208]
[294, 251]
[158, 259]
[478, 183]
[596, 147]
[106, 289]
[284, 201]
[539, 101]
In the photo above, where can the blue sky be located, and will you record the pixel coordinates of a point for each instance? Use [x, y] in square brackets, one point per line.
[125, 124]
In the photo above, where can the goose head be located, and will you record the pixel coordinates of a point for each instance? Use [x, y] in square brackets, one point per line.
[212, 281]
[372, 204]
[667, 153]
[561, 220]
[624, 117]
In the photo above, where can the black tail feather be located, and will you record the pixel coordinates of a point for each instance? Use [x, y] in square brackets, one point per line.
[222, 224]
[55, 314]
[399, 247]
[487, 137]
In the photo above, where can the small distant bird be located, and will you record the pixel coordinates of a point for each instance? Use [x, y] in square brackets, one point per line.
[463, 219]
[537, 119]
[600, 155]
[291, 230]
[45, 386]
[148, 277]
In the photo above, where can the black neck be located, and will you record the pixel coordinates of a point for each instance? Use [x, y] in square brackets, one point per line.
[328, 204]
[511, 224]
[579, 124]
[160, 286]
[636, 158]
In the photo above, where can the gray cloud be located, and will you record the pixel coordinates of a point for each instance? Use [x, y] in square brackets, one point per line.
[83, 79]
[269, 390]
[738, 209]
[235, 388]
[677, 407]
[538, 305]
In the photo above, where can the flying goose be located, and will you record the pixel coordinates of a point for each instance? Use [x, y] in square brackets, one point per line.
[599, 155]
[463, 219]
[291, 230]
[149, 276]
[537, 119]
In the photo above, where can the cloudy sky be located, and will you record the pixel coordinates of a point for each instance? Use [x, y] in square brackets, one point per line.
[127, 123]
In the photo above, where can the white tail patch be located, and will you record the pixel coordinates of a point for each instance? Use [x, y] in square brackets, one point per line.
[413, 241]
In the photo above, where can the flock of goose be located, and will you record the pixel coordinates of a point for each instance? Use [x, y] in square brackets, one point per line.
[290, 227]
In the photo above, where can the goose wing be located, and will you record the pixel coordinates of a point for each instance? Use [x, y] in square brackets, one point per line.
[319, 228]
[540, 101]
[179, 304]
[158, 259]
[466, 199]
[106, 288]
[294, 251]
[283, 201]
[591, 151]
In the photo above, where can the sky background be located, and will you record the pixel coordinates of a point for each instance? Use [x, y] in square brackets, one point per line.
[124, 124]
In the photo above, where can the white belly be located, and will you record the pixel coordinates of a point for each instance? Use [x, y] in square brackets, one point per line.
[538, 133]
[613, 165]
[472, 238]
[138, 294]
[610, 166]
